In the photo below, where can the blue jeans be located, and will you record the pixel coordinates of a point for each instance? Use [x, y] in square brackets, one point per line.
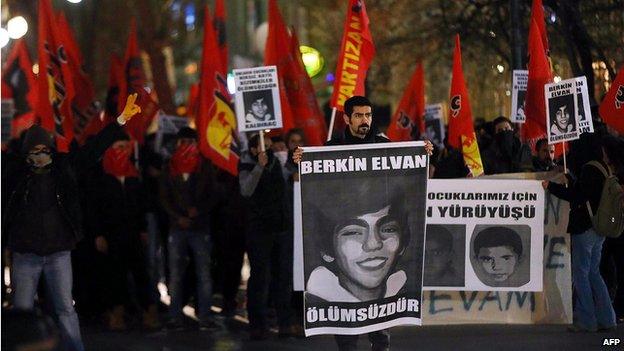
[57, 271]
[181, 242]
[592, 305]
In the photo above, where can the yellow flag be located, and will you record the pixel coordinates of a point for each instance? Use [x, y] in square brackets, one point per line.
[221, 127]
[472, 157]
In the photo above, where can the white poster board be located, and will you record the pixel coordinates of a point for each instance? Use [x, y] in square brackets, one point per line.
[518, 94]
[257, 99]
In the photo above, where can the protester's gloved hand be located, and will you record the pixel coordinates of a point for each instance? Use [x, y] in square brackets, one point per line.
[129, 110]
[429, 147]
[297, 155]
[101, 244]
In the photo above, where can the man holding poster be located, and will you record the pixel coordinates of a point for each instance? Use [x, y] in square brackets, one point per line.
[362, 238]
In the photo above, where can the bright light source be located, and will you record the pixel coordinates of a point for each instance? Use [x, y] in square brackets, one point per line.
[500, 68]
[231, 85]
[312, 60]
[508, 93]
[17, 27]
[4, 37]
[74, 1]
[557, 79]
[35, 68]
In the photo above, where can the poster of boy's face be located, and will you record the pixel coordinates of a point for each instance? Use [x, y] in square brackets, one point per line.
[500, 255]
[444, 255]
[258, 106]
[562, 119]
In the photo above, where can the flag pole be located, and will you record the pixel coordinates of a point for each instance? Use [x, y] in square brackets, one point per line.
[565, 163]
[331, 124]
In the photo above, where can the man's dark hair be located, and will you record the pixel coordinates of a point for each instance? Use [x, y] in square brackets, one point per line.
[441, 234]
[540, 143]
[277, 139]
[497, 236]
[295, 131]
[501, 119]
[355, 101]
[186, 133]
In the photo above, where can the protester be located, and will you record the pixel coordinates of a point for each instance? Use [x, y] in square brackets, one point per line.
[543, 161]
[506, 153]
[121, 235]
[188, 194]
[263, 186]
[592, 305]
[44, 220]
[358, 116]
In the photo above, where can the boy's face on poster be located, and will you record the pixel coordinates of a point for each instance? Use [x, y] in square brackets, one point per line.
[259, 108]
[563, 118]
[498, 262]
[367, 247]
[438, 257]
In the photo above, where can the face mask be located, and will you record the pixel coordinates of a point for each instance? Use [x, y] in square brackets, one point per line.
[117, 163]
[505, 141]
[282, 156]
[40, 159]
[185, 159]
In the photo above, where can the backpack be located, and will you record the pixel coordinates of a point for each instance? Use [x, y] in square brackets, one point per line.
[608, 221]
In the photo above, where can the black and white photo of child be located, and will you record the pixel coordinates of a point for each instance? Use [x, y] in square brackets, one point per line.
[444, 255]
[258, 106]
[561, 115]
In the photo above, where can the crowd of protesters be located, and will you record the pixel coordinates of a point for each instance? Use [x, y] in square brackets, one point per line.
[128, 223]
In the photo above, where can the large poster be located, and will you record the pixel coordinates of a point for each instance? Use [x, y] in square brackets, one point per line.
[363, 219]
[586, 123]
[434, 124]
[257, 98]
[484, 235]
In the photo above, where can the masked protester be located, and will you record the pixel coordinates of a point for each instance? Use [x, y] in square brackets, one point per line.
[43, 220]
[506, 153]
[188, 194]
[120, 202]
[358, 116]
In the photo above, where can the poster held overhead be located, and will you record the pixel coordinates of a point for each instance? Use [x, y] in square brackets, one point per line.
[518, 94]
[434, 124]
[585, 120]
[561, 107]
[257, 99]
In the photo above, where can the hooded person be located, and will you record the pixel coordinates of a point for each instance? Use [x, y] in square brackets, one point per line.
[506, 153]
[121, 226]
[43, 219]
[188, 193]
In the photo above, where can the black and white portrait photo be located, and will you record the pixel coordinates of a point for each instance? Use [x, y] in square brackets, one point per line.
[561, 111]
[444, 255]
[258, 106]
[363, 221]
[500, 254]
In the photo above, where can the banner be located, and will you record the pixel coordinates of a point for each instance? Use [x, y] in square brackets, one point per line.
[561, 107]
[552, 306]
[583, 112]
[434, 124]
[363, 212]
[257, 99]
[612, 106]
[518, 93]
[484, 235]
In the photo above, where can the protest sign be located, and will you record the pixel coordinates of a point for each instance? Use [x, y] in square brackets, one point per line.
[551, 306]
[434, 124]
[257, 98]
[561, 107]
[518, 93]
[363, 220]
[586, 124]
[484, 235]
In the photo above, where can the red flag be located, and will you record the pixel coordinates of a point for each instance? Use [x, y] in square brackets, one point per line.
[219, 27]
[411, 110]
[356, 53]
[299, 105]
[84, 105]
[612, 107]
[193, 101]
[539, 75]
[55, 82]
[18, 83]
[215, 119]
[537, 15]
[461, 133]
[134, 82]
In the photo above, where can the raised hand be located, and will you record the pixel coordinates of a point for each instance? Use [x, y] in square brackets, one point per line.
[131, 108]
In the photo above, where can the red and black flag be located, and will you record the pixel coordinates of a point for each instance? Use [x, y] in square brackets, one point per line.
[215, 120]
[612, 107]
[218, 23]
[18, 83]
[410, 115]
[55, 83]
[134, 81]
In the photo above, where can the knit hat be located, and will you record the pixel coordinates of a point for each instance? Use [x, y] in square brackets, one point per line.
[36, 135]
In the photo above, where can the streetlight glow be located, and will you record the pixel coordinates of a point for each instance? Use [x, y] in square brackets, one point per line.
[4, 37]
[74, 1]
[17, 27]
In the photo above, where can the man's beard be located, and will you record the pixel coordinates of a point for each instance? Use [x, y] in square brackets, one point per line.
[363, 129]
